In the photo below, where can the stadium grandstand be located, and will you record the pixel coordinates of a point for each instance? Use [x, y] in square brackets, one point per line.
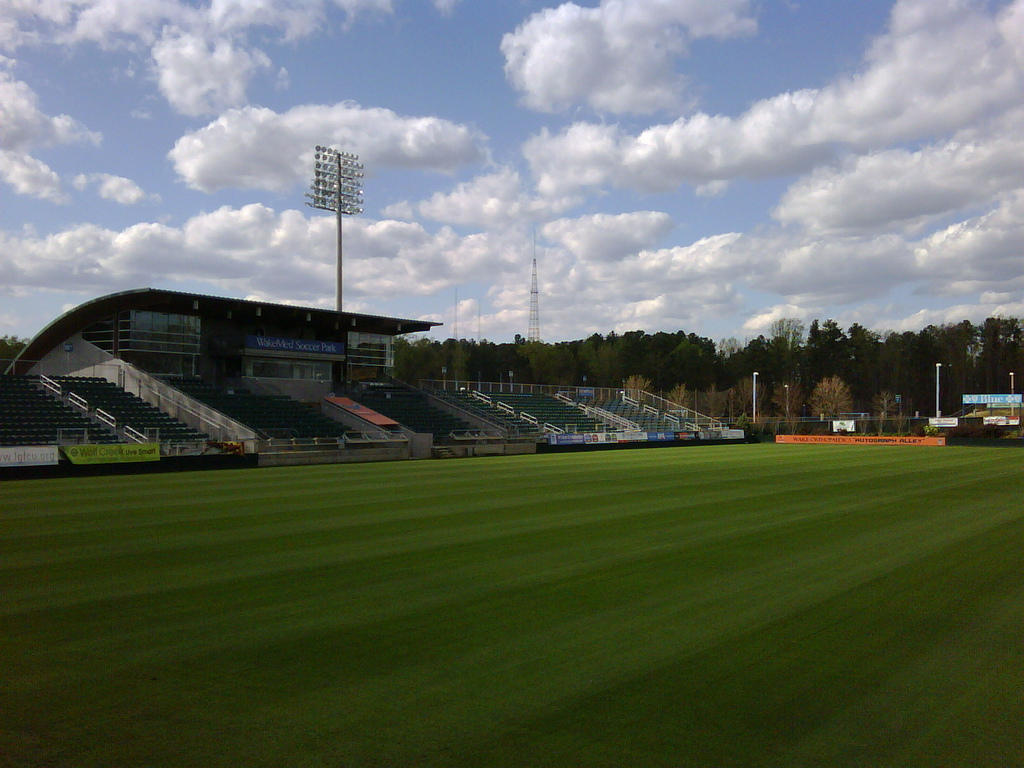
[198, 375]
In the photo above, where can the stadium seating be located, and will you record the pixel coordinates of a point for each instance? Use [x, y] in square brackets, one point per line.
[129, 410]
[511, 424]
[550, 410]
[30, 415]
[411, 409]
[649, 420]
[270, 415]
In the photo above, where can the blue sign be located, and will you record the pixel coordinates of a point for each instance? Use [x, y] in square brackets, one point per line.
[304, 346]
[992, 399]
[567, 439]
[584, 391]
[653, 437]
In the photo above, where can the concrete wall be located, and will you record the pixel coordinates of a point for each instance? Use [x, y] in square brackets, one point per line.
[490, 449]
[396, 452]
[82, 360]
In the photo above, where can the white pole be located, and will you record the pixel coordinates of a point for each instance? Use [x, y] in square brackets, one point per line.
[754, 397]
[937, 411]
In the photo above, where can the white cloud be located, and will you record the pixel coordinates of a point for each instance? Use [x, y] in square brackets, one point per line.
[604, 237]
[110, 187]
[23, 125]
[655, 290]
[941, 66]
[983, 253]
[29, 176]
[903, 188]
[112, 22]
[492, 200]
[617, 57]
[445, 7]
[295, 19]
[258, 148]
[761, 322]
[199, 76]
[202, 61]
[255, 250]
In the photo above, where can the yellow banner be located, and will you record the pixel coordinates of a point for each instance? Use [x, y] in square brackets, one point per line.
[860, 439]
[112, 454]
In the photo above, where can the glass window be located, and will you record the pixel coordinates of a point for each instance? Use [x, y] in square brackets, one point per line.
[263, 368]
[370, 349]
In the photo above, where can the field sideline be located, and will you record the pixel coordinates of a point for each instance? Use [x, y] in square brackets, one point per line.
[736, 605]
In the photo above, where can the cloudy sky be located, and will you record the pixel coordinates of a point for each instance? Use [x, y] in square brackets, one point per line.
[673, 164]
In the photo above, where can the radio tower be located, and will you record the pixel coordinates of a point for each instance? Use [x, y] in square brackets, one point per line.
[534, 333]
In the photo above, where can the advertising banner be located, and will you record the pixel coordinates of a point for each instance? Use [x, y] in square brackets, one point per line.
[945, 422]
[585, 392]
[859, 440]
[305, 346]
[655, 437]
[28, 455]
[112, 454]
[632, 436]
[844, 425]
[570, 439]
[992, 399]
[1002, 421]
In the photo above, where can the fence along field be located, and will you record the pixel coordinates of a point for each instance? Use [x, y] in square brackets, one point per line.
[752, 605]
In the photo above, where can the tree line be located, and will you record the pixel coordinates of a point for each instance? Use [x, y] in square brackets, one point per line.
[802, 370]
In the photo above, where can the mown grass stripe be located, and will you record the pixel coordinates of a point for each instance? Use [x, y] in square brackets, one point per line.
[745, 605]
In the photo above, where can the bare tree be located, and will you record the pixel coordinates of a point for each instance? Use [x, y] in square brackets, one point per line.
[743, 393]
[885, 404]
[788, 399]
[636, 383]
[831, 397]
[680, 395]
[712, 402]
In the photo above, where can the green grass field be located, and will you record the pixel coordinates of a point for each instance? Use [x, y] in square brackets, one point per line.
[744, 605]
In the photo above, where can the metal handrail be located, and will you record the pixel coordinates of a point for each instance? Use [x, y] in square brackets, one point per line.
[49, 383]
[134, 434]
[78, 401]
[104, 417]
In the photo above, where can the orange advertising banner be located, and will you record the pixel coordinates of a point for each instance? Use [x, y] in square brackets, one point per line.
[859, 440]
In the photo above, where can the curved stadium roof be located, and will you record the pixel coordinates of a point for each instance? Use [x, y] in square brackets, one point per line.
[325, 322]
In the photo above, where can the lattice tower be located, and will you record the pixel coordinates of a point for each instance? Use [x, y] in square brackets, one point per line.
[534, 333]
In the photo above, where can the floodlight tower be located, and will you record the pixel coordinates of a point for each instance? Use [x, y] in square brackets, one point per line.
[336, 187]
[534, 333]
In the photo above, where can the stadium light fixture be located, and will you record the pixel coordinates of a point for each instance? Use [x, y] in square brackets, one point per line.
[336, 187]
[938, 367]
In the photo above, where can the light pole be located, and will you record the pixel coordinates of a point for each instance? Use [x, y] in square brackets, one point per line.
[336, 187]
[511, 385]
[754, 398]
[1013, 406]
[938, 367]
[786, 386]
